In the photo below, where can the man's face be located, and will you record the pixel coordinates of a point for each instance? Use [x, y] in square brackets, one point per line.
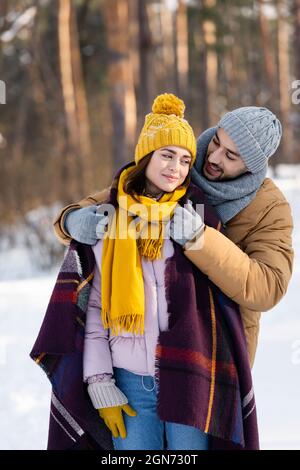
[222, 161]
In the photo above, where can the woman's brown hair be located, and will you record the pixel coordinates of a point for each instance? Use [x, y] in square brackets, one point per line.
[135, 183]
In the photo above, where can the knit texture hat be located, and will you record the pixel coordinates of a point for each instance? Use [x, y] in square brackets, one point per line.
[256, 133]
[165, 126]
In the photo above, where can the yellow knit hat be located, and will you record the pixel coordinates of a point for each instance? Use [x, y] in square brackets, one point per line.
[165, 126]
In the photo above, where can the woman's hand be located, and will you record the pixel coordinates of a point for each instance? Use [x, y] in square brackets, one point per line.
[113, 418]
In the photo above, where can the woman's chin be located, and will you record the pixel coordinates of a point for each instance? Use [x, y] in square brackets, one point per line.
[169, 188]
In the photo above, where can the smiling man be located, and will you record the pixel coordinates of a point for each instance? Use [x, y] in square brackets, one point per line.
[252, 263]
[223, 161]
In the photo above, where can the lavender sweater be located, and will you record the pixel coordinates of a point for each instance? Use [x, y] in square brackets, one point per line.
[136, 353]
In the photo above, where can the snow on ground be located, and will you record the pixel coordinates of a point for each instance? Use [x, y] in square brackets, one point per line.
[25, 390]
[276, 372]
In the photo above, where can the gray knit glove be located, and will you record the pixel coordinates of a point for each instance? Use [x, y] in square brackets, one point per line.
[86, 225]
[185, 225]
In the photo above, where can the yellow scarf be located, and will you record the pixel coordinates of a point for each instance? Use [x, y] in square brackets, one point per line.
[122, 286]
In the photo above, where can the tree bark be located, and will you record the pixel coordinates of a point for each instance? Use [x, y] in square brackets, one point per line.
[209, 29]
[296, 11]
[121, 82]
[168, 24]
[296, 58]
[79, 162]
[3, 12]
[287, 151]
[182, 56]
[269, 64]
[145, 90]
[200, 94]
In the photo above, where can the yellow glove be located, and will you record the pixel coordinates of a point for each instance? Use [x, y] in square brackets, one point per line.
[113, 418]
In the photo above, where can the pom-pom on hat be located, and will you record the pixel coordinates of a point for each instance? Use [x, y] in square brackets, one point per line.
[166, 126]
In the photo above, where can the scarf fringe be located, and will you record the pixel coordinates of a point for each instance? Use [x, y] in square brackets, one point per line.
[130, 323]
[151, 248]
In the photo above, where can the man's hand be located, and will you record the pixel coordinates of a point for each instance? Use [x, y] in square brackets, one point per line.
[185, 225]
[86, 225]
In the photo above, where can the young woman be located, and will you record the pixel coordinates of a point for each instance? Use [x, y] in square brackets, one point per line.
[127, 305]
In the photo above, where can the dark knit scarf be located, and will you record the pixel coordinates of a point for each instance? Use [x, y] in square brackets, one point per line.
[202, 362]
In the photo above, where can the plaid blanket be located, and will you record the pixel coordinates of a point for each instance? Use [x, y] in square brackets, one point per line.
[202, 364]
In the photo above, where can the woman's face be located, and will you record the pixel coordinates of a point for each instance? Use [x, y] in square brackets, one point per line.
[167, 169]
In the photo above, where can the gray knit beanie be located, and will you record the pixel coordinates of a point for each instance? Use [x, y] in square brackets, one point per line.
[255, 131]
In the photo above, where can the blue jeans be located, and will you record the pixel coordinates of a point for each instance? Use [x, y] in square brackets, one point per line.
[146, 431]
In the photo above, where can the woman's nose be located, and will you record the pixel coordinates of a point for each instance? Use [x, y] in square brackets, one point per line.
[174, 165]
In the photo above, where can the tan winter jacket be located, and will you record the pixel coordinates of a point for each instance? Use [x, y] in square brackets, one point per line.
[252, 264]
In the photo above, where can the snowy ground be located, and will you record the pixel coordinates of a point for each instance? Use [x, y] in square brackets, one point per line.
[276, 371]
[25, 391]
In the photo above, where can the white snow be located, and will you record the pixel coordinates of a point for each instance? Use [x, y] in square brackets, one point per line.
[276, 372]
[25, 390]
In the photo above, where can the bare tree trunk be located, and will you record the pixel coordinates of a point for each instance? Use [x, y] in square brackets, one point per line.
[204, 36]
[266, 40]
[296, 125]
[199, 98]
[16, 162]
[296, 11]
[14, 166]
[168, 24]
[146, 82]
[46, 95]
[70, 167]
[209, 29]
[121, 82]
[284, 82]
[3, 12]
[231, 79]
[80, 167]
[82, 115]
[182, 57]
[226, 55]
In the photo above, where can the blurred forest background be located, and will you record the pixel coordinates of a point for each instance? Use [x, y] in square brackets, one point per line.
[77, 78]
[81, 75]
